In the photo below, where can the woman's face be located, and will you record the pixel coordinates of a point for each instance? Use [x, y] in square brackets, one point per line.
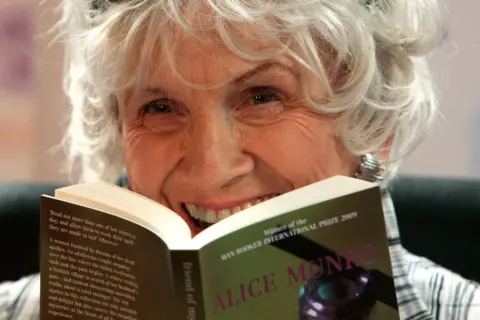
[209, 153]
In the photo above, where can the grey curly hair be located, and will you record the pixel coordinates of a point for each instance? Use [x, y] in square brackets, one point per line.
[369, 55]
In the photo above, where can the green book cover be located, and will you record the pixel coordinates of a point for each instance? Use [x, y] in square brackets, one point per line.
[306, 259]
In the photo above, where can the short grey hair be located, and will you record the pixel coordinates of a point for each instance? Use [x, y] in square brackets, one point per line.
[369, 55]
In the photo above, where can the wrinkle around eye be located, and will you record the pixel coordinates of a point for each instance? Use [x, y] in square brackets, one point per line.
[278, 107]
[163, 122]
[292, 112]
[134, 135]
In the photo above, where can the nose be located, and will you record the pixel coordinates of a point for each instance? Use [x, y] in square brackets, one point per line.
[215, 158]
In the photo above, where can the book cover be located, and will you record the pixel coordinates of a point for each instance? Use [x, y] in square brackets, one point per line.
[95, 265]
[327, 261]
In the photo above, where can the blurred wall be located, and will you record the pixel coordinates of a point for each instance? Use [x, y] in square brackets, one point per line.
[17, 101]
[454, 147]
[52, 106]
[33, 108]
[32, 118]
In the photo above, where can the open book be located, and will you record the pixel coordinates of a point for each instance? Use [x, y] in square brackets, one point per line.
[318, 252]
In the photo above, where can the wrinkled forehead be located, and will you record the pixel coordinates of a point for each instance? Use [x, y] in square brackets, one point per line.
[204, 65]
[201, 49]
[205, 47]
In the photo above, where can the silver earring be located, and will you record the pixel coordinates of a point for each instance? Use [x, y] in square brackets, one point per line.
[371, 169]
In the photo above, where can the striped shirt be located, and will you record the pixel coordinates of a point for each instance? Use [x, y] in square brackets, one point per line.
[425, 291]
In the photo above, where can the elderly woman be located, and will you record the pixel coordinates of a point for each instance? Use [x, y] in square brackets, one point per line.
[217, 102]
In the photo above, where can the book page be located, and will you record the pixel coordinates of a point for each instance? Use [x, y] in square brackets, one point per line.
[129, 205]
[97, 266]
[326, 261]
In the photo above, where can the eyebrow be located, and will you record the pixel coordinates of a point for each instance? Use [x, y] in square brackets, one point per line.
[261, 69]
[155, 91]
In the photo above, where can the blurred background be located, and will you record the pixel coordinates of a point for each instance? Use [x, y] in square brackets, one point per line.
[33, 109]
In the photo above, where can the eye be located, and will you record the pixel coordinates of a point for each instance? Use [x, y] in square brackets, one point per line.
[264, 95]
[162, 115]
[155, 107]
[263, 98]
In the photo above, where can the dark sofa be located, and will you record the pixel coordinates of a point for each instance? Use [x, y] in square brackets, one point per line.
[438, 218]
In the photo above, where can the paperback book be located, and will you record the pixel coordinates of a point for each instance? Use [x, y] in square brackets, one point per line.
[318, 252]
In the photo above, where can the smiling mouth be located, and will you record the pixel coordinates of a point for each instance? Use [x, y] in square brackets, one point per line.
[204, 217]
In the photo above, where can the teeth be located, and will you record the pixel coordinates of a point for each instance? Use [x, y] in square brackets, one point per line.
[212, 216]
[236, 209]
[224, 214]
[192, 209]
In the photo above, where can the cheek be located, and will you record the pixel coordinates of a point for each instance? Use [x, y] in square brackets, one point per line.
[149, 158]
[301, 147]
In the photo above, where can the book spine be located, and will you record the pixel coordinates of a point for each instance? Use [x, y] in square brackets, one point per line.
[188, 285]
